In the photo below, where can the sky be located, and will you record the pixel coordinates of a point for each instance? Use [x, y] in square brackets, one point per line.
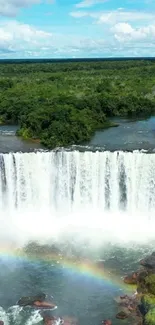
[77, 28]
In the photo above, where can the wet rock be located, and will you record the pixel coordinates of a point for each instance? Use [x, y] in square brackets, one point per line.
[128, 302]
[138, 322]
[123, 300]
[44, 304]
[107, 322]
[125, 310]
[51, 320]
[122, 315]
[132, 278]
[28, 301]
[149, 262]
[1, 322]
[36, 301]
[142, 275]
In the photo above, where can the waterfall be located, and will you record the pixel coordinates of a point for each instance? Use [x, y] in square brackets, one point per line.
[44, 192]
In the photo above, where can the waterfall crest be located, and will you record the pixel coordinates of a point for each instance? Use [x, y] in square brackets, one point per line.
[73, 188]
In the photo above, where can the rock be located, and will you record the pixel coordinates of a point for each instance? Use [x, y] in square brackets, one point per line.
[125, 310]
[149, 262]
[149, 318]
[132, 278]
[122, 315]
[44, 304]
[28, 301]
[36, 301]
[51, 320]
[138, 322]
[107, 322]
[128, 302]
[122, 300]
[1, 322]
[142, 275]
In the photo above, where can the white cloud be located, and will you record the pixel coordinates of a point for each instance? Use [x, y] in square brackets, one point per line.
[128, 33]
[115, 16]
[23, 40]
[124, 32]
[15, 36]
[119, 39]
[111, 17]
[88, 3]
[10, 7]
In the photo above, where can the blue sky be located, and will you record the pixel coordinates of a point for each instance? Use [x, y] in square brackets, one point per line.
[74, 28]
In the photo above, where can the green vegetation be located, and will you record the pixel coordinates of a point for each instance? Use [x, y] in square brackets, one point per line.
[149, 318]
[148, 302]
[150, 283]
[64, 103]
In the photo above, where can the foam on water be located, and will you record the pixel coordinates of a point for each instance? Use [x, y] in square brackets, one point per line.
[4, 316]
[35, 318]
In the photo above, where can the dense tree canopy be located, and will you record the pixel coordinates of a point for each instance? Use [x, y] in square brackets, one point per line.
[64, 103]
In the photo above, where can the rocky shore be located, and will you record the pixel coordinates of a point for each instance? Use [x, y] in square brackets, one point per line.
[140, 307]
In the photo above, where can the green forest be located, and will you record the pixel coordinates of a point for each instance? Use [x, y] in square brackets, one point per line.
[63, 103]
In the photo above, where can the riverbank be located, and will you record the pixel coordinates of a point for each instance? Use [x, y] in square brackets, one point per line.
[64, 104]
[122, 135]
[9, 142]
[141, 306]
[26, 134]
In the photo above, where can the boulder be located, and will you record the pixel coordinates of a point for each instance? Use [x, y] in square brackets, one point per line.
[107, 322]
[44, 304]
[122, 315]
[132, 278]
[130, 303]
[122, 300]
[38, 301]
[138, 322]
[28, 301]
[149, 262]
[51, 320]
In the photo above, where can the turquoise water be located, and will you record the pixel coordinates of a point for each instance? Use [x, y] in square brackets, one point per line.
[129, 135]
[10, 142]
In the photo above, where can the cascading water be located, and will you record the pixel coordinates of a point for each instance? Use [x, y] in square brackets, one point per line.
[100, 195]
[71, 197]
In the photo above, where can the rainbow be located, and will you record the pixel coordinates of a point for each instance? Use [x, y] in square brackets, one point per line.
[83, 267]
